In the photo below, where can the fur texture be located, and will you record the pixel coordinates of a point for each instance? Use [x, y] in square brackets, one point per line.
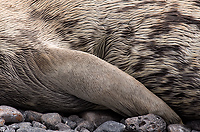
[155, 41]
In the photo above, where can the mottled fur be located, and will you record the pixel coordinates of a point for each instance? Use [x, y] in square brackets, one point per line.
[155, 41]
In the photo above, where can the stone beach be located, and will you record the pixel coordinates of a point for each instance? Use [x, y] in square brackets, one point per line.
[13, 120]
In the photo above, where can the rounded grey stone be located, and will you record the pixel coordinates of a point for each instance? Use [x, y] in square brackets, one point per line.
[85, 124]
[10, 114]
[31, 129]
[111, 126]
[32, 116]
[25, 125]
[14, 126]
[51, 120]
[150, 123]
[38, 124]
[70, 123]
[62, 127]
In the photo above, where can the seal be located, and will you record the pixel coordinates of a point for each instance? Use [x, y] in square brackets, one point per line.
[45, 67]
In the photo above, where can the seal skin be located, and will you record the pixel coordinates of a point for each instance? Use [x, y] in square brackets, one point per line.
[44, 67]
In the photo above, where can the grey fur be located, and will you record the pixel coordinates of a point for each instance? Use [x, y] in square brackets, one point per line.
[155, 41]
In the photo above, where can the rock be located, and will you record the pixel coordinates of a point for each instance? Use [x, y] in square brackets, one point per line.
[70, 123]
[2, 129]
[194, 125]
[32, 129]
[14, 126]
[51, 120]
[70, 130]
[84, 130]
[62, 127]
[148, 123]
[178, 128]
[2, 122]
[75, 118]
[10, 114]
[111, 126]
[32, 116]
[38, 124]
[10, 130]
[25, 125]
[145, 123]
[99, 117]
[85, 124]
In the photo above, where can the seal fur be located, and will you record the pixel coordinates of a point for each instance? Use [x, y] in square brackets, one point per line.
[157, 42]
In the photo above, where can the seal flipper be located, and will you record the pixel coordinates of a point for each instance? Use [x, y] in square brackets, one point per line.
[94, 80]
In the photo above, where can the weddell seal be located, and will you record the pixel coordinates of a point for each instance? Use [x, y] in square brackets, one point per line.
[75, 55]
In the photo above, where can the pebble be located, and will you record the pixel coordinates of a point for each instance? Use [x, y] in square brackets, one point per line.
[86, 125]
[76, 119]
[25, 125]
[10, 114]
[14, 126]
[70, 123]
[51, 120]
[84, 130]
[38, 124]
[111, 126]
[32, 116]
[31, 129]
[62, 127]
[2, 129]
[178, 128]
[148, 123]
[11, 130]
[91, 121]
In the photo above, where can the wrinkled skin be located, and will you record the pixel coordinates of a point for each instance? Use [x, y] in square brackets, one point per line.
[44, 65]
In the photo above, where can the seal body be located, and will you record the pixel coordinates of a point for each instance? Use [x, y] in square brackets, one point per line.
[156, 42]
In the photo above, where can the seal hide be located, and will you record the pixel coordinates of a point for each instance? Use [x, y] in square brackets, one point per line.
[44, 65]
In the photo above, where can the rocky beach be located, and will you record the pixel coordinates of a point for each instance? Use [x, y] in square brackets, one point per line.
[13, 120]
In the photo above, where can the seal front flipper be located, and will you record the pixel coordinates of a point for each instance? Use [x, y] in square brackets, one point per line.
[89, 78]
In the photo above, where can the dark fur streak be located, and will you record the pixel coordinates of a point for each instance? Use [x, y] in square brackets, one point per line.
[181, 66]
[61, 32]
[66, 28]
[138, 67]
[102, 47]
[64, 25]
[162, 28]
[197, 3]
[173, 17]
[194, 102]
[180, 95]
[160, 49]
[34, 1]
[81, 45]
[141, 64]
[163, 72]
[2, 60]
[70, 23]
[48, 18]
[127, 8]
[195, 68]
[128, 32]
[43, 15]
